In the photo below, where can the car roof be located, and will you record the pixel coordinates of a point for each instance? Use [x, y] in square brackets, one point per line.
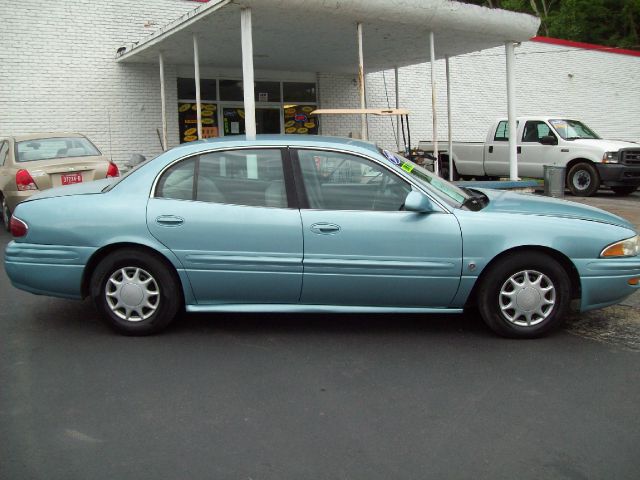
[42, 136]
[316, 141]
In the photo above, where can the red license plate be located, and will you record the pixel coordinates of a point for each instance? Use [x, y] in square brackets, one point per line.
[69, 178]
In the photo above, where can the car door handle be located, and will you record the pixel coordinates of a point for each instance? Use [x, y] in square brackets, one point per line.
[169, 221]
[490, 148]
[325, 228]
[519, 149]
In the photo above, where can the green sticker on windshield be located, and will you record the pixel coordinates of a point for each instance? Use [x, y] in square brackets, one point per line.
[407, 167]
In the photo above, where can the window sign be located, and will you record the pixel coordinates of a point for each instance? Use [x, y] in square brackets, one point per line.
[298, 120]
[188, 121]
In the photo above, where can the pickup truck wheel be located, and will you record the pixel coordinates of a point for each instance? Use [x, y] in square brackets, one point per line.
[623, 191]
[444, 170]
[583, 179]
[524, 295]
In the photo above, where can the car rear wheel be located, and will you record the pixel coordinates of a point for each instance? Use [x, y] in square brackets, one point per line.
[6, 215]
[583, 179]
[135, 292]
[524, 295]
[623, 191]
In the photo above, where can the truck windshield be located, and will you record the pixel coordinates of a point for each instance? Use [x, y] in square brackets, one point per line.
[450, 193]
[572, 129]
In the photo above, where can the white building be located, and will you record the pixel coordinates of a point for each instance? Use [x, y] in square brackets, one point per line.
[59, 73]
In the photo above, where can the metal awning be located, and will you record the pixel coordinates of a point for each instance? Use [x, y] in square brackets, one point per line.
[318, 36]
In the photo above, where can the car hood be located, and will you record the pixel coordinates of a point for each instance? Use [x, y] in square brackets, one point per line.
[87, 188]
[604, 145]
[529, 204]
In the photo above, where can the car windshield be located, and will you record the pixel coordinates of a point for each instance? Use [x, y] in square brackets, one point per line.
[50, 148]
[449, 192]
[572, 129]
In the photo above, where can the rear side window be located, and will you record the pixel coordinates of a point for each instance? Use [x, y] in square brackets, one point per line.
[239, 177]
[49, 148]
[502, 131]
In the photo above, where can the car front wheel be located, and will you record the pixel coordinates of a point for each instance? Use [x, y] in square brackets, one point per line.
[583, 179]
[135, 292]
[524, 295]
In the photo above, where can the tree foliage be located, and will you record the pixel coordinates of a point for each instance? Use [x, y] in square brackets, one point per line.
[614, 23]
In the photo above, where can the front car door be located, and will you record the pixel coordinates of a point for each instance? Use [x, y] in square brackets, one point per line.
[361, 247]
[534, 155]
[229, 219]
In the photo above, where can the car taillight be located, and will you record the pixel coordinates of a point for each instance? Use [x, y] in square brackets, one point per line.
[18, 227]
[113, 171]
[24, 181]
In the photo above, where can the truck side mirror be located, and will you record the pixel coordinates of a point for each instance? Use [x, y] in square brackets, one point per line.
[549, 140]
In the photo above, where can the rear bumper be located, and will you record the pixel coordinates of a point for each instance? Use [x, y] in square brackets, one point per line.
[46, 269]
[605, 282]
[619, 175]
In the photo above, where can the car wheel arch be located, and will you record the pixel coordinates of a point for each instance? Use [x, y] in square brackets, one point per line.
[561, 258]
[105, 251]
[576, 161]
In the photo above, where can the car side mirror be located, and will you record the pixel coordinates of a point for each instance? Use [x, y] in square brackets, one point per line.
[549, 140]
[417, 202]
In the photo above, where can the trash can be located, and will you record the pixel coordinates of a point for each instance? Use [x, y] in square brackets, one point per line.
[554, 181]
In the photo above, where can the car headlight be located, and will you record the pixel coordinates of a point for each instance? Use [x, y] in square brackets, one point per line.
[624, 248]
[610, 157]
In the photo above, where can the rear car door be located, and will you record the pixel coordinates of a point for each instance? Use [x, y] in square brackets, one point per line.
[229, 219]
[360, 247]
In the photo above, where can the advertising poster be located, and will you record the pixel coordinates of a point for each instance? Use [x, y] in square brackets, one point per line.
[188, 121]
[298, 120]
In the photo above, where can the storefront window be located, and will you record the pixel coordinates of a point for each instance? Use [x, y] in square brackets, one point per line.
[298, 120]
[231, 91]
[187, 89]
[299, 92]
[188, 119]
[267, 92]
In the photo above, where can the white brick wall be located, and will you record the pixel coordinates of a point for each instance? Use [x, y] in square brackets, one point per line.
[58, 72]
[602, 91]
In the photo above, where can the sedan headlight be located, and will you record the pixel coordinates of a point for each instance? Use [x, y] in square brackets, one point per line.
[610, 157]
[624, 248]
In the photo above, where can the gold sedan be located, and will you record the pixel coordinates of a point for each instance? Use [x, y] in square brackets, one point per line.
[30, 163]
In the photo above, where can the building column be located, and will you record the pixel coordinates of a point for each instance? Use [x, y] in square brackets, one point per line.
[361, 86]
[511, 107]
[196, 66]
[434, 113]
[450, 146]
[247, 74]
[163, 103]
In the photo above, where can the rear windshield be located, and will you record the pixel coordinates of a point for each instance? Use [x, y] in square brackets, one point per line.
[49, 148]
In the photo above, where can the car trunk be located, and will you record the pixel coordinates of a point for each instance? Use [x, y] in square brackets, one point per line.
[66, 171]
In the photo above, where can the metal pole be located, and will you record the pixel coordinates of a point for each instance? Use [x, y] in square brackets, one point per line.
[511, 107]
[247, 74]
[397, 105]
[163, 102]
[363, 105]
[432, 52]
[196, 65]
[449, 118]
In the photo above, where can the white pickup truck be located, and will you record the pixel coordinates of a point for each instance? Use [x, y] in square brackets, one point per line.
[590, 161]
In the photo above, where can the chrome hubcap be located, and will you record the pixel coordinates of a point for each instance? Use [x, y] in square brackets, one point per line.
[132, 294]
[581, 180]
[527, 298]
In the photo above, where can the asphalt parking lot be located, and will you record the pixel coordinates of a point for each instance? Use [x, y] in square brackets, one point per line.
[316, 396]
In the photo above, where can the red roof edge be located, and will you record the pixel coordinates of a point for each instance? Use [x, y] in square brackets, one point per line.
[586, 46]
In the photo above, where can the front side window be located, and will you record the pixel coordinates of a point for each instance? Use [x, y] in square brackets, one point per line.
[339, 181]
[534, 130]
[49, 148]
[239, 177]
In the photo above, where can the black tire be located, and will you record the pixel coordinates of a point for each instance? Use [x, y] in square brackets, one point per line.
[444, 169]
[496, 288]
[623, 191]
[6, 215]
[162, 292]
[583, 179]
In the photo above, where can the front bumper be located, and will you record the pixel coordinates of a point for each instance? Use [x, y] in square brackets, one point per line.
[619, 175]
[605, 281]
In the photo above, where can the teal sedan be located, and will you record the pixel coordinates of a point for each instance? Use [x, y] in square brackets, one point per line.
[313, 224]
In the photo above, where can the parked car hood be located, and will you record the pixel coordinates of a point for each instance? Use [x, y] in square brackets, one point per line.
[529, 204]
[605, 145]
[87, 188]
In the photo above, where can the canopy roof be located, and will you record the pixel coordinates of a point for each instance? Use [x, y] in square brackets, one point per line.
[320, 36]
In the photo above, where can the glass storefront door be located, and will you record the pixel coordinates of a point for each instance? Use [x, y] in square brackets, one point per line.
[267, 120]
